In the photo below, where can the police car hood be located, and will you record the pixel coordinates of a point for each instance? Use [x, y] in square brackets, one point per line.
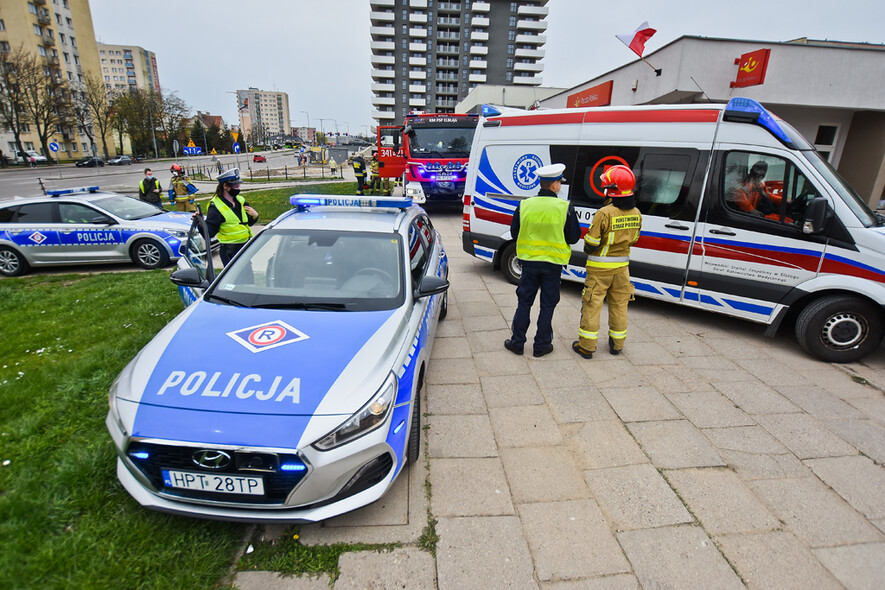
[170, 219]
[258, 377]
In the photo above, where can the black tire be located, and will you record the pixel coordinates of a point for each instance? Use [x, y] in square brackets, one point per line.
[840, 328]
[444, 306]
[414, 446]
[12, 264]
[510, 264]
[149, 254]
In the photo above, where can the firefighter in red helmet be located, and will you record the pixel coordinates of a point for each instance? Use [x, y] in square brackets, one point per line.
[615, 227]
[181, 195]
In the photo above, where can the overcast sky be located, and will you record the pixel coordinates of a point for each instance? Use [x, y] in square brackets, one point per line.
[318, 50]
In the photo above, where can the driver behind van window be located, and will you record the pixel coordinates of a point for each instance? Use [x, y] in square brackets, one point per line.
[752, 197]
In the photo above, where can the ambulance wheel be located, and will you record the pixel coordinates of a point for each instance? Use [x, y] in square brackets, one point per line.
[510, 264]
[12, 264]
[149, 254]
[839, 328]
[414, 447]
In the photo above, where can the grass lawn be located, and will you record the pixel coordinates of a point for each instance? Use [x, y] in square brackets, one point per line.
[271, 203]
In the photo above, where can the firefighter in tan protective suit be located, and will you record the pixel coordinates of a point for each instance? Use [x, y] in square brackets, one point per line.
[615, 227]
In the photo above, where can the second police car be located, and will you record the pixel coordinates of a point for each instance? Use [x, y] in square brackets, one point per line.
[289, 390]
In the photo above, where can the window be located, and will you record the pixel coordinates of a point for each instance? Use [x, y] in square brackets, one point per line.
[509, 63]
[763, 186]
[512, 21]
[70, 22]
[510, 49]
[513, 7]
[32, 8]
[58, 18]
[825, 140]
[37, 30]
[4, 47]
[511, 35]
[36, 213]
[2, 25]
[76, 213]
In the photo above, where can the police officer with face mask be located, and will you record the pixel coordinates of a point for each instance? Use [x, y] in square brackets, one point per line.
[229, 216]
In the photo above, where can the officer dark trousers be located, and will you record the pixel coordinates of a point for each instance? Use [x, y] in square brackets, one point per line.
[536, 275]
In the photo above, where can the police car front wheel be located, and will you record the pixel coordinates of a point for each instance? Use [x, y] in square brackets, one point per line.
[149, 254]
[12, 264]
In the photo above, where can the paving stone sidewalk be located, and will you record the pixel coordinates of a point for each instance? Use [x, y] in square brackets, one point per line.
[705, 456]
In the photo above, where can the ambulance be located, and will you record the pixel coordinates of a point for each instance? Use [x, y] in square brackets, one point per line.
[741, 216]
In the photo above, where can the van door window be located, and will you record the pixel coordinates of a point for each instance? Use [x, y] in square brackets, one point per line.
[766, 187]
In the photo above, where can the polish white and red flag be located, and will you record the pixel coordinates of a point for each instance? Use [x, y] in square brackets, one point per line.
[636, 40]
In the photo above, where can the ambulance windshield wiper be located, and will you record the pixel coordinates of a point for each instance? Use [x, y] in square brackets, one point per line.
[311, 305]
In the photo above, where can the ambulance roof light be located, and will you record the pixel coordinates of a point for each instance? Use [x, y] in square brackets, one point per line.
[490, 111]
[747, 110]
[72, 191]
[302, 202]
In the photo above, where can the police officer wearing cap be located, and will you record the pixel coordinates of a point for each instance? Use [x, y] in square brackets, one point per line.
[543, 227]
[615, 227]
[229, 216]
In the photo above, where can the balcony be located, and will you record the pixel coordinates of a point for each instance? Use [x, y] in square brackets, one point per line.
[447, 63]
[535, 53]
[418, 47]
[385, 60]
[418, 18]
[528, 67]
[417, 32]
[48, 40]
[44, 19]
[448, 7]
[481, 6]
[478, 64]
[39, 2]
[376, 73]
[448, 35]
[479, 36]
[417, 88]
[417, 75]
[379, 101]
[453, 89]
[383, 46]
[385, 17]
[447, 50]
[449, 21]
[446, 102]
[383, 87]
[479, 21]
[418, 3]
[386, 115]
[417, 61]
[446, 77]
[477, 78]
[528, 80]
[382, 3]
[538, 11]
[531, 25]
[531, 39]
[479, 50]
[417, 102]
[52, 60]
[382, 31]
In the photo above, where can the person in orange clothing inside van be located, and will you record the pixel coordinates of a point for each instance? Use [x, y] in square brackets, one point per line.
[754, 198]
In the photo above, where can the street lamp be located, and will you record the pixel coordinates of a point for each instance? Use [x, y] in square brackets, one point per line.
[308, 120]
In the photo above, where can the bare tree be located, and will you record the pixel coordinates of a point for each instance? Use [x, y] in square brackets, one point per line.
[46, 99]
[91, 106]
[12, 102]
[173, 111]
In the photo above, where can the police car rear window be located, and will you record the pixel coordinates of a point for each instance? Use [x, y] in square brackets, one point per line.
[35, 213]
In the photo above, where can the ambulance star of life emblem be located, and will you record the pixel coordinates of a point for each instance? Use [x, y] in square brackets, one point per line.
[37, 237]
[268, 335]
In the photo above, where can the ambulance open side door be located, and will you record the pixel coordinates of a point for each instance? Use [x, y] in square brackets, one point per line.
[391, 157]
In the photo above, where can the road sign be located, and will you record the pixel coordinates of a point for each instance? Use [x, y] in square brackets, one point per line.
[193, 151]
[236, 148]
[175, 146]
[213, 151]
[191, 143]
[235, 135]
[53, 146]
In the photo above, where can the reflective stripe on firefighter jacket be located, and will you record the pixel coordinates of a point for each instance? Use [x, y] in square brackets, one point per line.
[541, 233]
[233, 230]
[610, 236]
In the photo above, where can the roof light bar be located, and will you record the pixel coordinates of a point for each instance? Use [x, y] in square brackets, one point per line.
[305, 201]
[72, 191]
[747, 110]
[490, 111]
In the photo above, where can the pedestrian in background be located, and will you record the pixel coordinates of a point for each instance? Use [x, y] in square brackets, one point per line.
[375, 179]
[543, 227]
[615, 227]
[229, 215]
[184, 200]
[149, 189]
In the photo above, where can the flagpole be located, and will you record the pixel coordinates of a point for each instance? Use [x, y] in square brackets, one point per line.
[657, 71]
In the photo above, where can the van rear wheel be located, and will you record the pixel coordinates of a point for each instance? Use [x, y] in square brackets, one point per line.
[510, 264]
[839, 328]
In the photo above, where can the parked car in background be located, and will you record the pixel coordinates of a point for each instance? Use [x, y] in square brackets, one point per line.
[90, 161]
[24, 158]
[119, 161]
[259, 158]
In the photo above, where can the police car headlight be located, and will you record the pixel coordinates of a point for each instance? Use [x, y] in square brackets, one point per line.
[178, 233]
[368, 418]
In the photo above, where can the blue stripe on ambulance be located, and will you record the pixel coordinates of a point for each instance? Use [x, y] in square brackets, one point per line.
[501, 206]
[487, 179]
[263, 398]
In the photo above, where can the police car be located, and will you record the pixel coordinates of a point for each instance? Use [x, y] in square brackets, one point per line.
[87, 226]
[289, 390]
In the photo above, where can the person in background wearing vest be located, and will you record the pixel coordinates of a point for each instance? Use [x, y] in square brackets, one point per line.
[229, 216]
[359, 170]
[543, 227]
[615, 227]
[149, 189]
[375, 179]
[184, 201]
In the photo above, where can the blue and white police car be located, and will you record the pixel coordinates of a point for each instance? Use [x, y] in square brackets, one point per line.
[87, 226]
[289, 390]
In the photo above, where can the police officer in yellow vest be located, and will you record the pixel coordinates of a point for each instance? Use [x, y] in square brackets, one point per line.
[543, 227]
[229, 216]
[615, 227]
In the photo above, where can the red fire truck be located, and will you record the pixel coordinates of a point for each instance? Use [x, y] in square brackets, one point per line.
[430, 152]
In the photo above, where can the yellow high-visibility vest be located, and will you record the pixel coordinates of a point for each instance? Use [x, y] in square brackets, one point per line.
[542, 230]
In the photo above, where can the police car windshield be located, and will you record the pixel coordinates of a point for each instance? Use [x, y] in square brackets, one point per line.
[127, 207]
[440, 142]
[320, 270]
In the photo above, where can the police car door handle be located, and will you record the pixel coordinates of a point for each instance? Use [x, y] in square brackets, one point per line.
[722, 232]
[677, 225]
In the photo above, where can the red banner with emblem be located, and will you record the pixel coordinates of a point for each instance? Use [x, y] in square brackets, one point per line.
[751, 68]
[597, 96]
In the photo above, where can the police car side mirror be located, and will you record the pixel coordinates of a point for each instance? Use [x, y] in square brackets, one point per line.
[430, 285]
[102, 220]
[816, 216]
[188, 277]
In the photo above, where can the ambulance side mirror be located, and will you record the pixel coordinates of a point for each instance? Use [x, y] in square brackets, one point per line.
[188, 277]
[430, 285]
[817, 215]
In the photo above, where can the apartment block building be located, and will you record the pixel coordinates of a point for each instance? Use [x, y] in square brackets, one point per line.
[60, 32]
[427, 55]
[126, 67]
[263, 113]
